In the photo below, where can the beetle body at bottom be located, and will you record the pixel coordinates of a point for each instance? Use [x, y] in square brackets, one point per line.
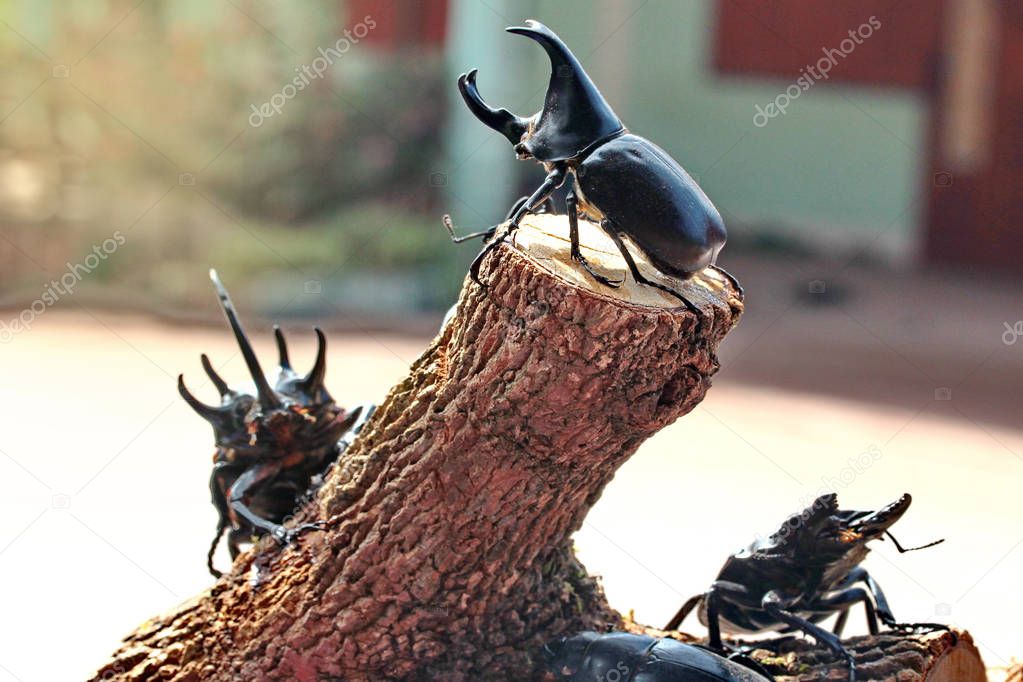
[626, 657]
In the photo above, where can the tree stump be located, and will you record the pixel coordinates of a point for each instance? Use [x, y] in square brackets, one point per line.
[446, 548]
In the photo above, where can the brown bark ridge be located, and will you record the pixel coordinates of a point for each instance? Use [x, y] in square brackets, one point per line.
[889, 657]
[446, 552]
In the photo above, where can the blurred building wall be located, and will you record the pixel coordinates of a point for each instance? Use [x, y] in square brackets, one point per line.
[841, 168]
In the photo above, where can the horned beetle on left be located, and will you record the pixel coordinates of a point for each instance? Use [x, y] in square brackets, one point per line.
[274, 443]
[805, 572]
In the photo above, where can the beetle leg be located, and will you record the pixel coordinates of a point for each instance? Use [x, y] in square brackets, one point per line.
[847, 597]
[235, 538]
[236, 496]
[884, 611]
[517, 205]
[731, 278]
[555, 179]
[839, 626]
[573, 234]
[609, 228]
[772, 604]
[221, 526]
[690, 604]
[217, 486]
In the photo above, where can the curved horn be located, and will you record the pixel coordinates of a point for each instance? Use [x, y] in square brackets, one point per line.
[221, 385]
[267, 398]
[282, 349]
[503, 121]
[313, 381]
[207, 412]
[552, 44]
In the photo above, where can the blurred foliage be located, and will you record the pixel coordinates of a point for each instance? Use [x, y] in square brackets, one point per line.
[135, 117]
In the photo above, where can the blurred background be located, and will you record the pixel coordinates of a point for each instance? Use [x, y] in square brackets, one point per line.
[866, 157]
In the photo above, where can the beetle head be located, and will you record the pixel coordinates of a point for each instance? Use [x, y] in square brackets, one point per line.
[574, 115]
[296, 414]
[824, 532]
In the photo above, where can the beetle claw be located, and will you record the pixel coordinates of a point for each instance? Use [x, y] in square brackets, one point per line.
[603, 279]
[285, 536]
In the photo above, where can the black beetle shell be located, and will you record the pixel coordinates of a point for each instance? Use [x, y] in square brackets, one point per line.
[625, 657]
[650, 198]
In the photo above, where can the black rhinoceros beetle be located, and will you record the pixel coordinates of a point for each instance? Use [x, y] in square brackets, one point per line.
[802, 574]
[626, 183]
[273, 443]
[626, 657]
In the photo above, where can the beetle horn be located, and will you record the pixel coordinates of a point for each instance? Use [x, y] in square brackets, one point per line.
[313, 381]
[207, 412]
[267, 398]
[221, 385]
[503, 121]
[282, 349]
[875, 524]
[575, 115]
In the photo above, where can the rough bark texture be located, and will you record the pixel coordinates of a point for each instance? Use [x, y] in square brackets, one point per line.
[447, 552]
[890, 656]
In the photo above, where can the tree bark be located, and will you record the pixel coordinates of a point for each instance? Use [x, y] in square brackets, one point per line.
[447, 552]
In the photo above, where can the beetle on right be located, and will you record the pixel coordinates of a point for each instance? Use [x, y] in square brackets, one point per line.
[805, 572]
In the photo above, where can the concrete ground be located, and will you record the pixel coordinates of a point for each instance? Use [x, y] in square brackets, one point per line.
[872, 386]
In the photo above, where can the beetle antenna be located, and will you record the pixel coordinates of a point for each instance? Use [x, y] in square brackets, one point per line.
[221, 385]
[313, 381]
[486, 234]
[903, 550]
[267, 398]
[282, 349]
